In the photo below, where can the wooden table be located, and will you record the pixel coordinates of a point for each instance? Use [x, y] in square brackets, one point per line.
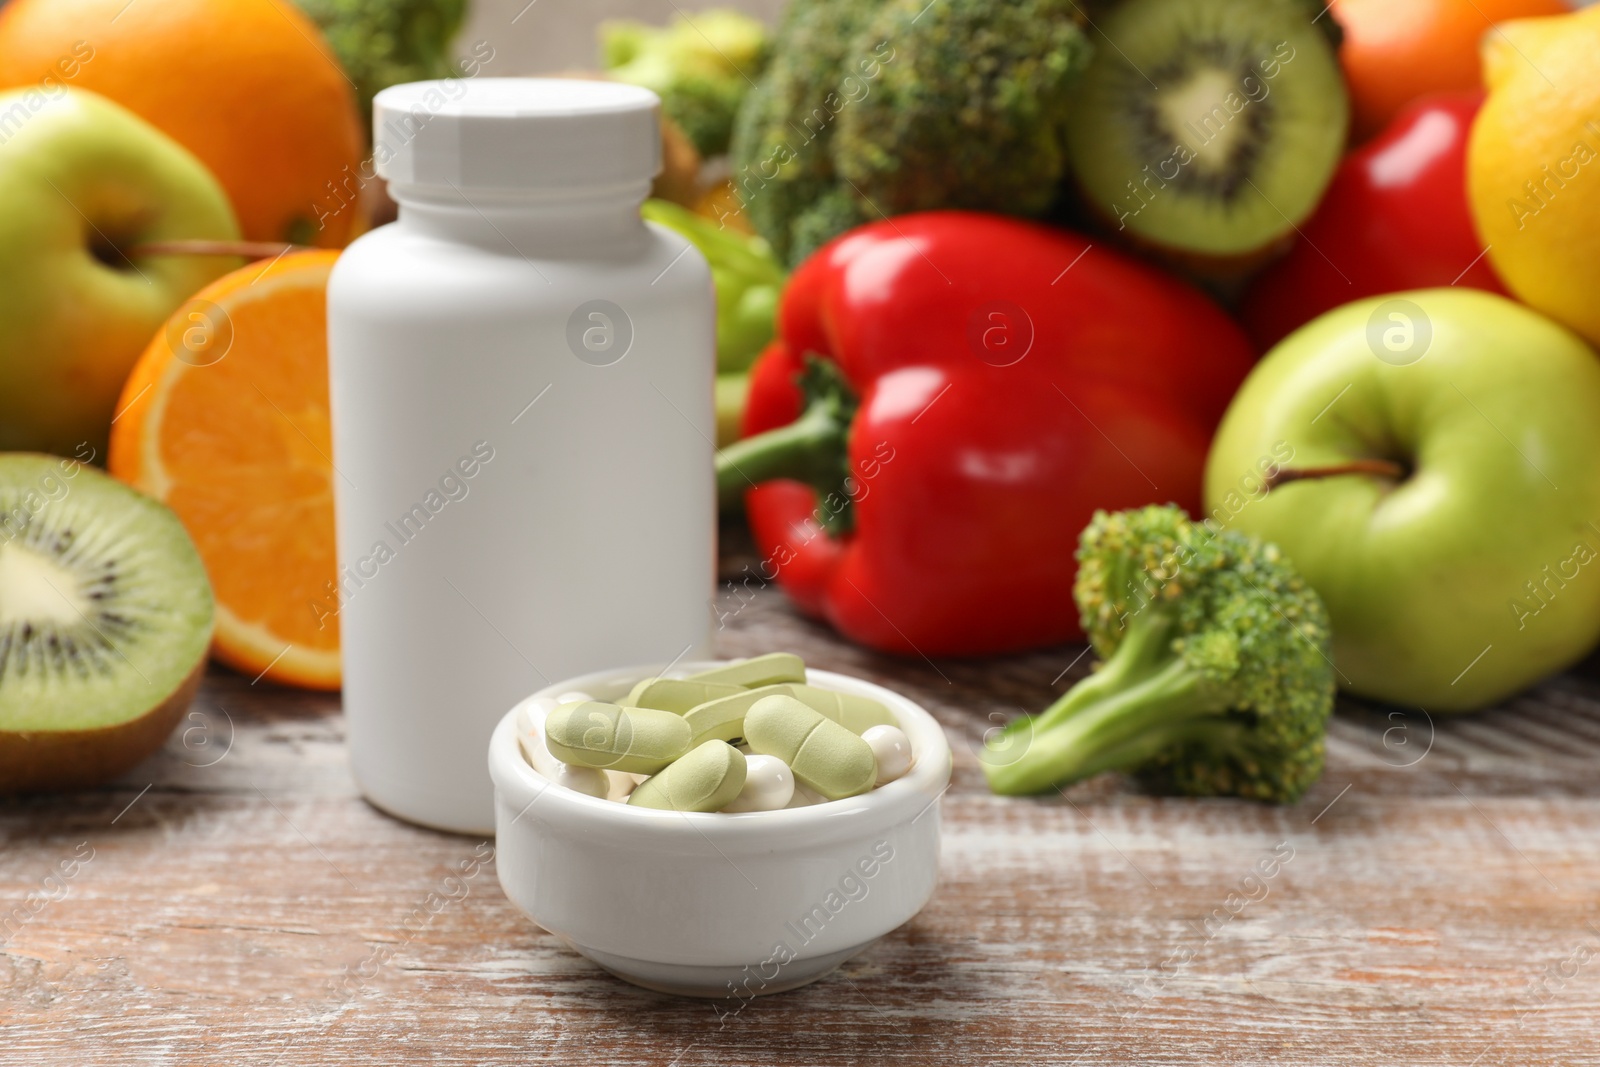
[1432, 901]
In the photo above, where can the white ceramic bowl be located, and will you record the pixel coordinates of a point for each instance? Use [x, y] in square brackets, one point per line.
[713, 904]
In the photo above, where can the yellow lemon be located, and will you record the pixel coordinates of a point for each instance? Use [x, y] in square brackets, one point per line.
[1533, 164]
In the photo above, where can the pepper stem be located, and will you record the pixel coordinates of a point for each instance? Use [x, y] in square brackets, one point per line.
[1386, 468]
[811, 449]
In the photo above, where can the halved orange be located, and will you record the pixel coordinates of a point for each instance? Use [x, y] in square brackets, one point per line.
[225, 419]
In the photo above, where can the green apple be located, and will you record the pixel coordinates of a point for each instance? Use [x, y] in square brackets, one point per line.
[1436, 456]
[83, 182]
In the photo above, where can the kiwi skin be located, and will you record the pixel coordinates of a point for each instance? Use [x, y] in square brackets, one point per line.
[139, 565]
[1204, 236]
[56, 760]
[1224, 276]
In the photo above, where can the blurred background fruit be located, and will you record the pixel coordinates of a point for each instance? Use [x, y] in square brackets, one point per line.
[681, 179]
[700, 67]
[1395, 217]
[228, 425]
[107, 620]
[1437, 476]
[1212, 163]
[1534, 164]
[748, 282]
[720, 202]
[881, 107]
[84, 186]
[1397, 50]
[248, 86]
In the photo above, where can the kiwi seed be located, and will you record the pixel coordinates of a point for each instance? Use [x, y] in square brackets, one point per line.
[105, 618]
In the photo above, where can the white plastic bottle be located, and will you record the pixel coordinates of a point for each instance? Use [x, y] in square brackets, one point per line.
[522, 422]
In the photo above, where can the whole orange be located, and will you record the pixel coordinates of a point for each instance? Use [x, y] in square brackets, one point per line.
[1397, 50]
[248, 86]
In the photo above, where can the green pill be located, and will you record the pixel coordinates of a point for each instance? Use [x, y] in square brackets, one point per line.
[723, 719]
[707, 779]
[856, 714]
[774, 668]
[676, 695]
[638, 740]
[823, 755]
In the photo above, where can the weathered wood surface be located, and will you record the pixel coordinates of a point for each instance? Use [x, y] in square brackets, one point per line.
[1435, 900]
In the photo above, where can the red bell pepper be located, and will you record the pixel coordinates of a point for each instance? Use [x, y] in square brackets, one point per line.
[1395, 217]
[977, 387]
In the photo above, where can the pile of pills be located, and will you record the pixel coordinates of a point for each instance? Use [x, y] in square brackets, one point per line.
[749, 736]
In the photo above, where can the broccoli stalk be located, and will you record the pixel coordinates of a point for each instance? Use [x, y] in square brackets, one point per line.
[1216, 679]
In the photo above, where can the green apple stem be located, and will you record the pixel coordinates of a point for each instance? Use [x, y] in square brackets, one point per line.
[243, 249]
[1385, 468]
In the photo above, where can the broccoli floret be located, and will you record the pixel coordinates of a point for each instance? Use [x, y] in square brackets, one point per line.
[701, 66]
[972, 114]
[874, 107]
[1216, 678]
[782, 173]
[386, 42]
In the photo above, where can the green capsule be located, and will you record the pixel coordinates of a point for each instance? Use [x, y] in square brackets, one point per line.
[822, 754]
[855, 713]
[676, 695]
[723, 718]
[707, 779]
[638, 740]
[774, 668]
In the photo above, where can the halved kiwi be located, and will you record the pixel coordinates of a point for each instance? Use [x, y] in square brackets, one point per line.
[105, 618]
[1208, 128]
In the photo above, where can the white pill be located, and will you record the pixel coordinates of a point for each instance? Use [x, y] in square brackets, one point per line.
[572, 697]
[530, 736]
[531, 740]
[531, 714]
[768, 785]
[621, 784]
[892, 749]
[590, 781]
[804, 797]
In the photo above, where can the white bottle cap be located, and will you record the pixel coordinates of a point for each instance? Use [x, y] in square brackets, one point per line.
[516, 133]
